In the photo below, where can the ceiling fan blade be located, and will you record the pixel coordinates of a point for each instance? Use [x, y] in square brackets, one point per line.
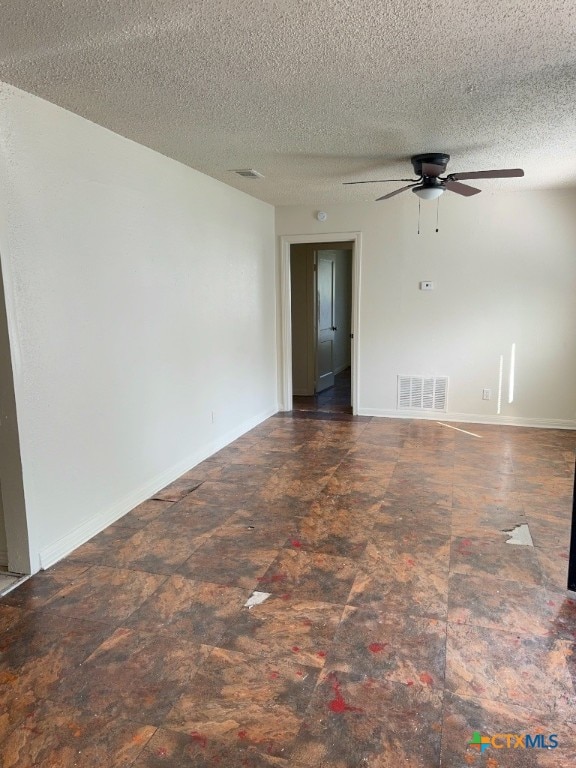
[433, 170]
[376, 181]
[461, 189]
[396, 192]
[504, 173]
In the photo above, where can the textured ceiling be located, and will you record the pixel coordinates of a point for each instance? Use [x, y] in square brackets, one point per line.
[312, 93]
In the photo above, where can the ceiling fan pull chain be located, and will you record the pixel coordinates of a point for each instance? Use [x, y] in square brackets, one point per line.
[419, 203]
[437, 212]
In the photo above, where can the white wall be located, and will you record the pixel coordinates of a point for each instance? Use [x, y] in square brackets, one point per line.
[504, 266]
[140, 297]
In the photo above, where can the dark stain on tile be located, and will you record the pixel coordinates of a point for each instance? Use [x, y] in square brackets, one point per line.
[133, 675]
[285, 627]
[35, 655]
[104, 594]
[240, 699]
[354, 720]
[310, 575]
[227, 564]
[465, 715]
[399, 647]
[143, 514]
[55, 735]
[196, 611]
[169, 749]
[494, 558]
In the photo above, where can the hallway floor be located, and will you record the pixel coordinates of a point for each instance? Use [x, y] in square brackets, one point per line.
[399, 622]
[336, 399]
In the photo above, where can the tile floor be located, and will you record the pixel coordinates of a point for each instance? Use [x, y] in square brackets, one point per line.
[399, 621]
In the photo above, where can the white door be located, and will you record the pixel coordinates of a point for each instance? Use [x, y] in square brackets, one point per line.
[325, 272]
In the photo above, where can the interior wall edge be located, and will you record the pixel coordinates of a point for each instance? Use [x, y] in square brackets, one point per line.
[97, 523]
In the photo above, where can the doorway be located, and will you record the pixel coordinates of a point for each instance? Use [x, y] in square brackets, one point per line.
[321, 316]
[319, 281]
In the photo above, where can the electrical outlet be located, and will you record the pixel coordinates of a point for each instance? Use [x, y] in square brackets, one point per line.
[486, 394]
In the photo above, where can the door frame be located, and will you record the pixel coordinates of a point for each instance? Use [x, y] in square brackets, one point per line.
[286, 316]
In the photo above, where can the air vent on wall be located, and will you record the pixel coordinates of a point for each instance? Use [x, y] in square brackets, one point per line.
[248, 173]
[423, 393]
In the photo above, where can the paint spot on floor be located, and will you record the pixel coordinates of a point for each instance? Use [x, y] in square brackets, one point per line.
[296, 543]
[337, 704]
[426, 678]
[377, 647]
[199, 739]
[274, 578]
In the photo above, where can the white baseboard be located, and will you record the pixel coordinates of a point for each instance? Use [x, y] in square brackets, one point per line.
[71, 541]
[471, 418]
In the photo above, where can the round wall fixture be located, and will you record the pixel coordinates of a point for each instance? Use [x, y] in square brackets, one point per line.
[321, 215]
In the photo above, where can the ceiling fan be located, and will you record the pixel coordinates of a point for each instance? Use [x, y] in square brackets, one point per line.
[430, 183]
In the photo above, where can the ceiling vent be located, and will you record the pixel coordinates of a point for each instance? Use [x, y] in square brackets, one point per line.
[248, 173]
[423, 393]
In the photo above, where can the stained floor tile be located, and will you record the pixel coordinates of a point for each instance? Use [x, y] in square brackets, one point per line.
[170, 749]
[133, 675]
[37, 653]
[494, 558]
[311, 575]
[285, 627]
[196, 611]
[485, 601]
[55, 735]
[228, 564]
[516, 669]
[240, 699]
[353, 720]
[104, 594]
[402, 580]
[466, 715]
[400, 647]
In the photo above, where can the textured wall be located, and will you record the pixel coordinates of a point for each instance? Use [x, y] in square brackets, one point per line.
[141, 304]
[505, 273]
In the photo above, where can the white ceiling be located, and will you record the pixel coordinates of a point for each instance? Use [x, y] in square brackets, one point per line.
[312, 93]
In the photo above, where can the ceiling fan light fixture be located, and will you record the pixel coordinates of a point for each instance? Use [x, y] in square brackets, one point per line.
[428, 192]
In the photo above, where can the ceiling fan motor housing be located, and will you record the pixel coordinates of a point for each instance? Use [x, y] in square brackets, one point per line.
[434, 158]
